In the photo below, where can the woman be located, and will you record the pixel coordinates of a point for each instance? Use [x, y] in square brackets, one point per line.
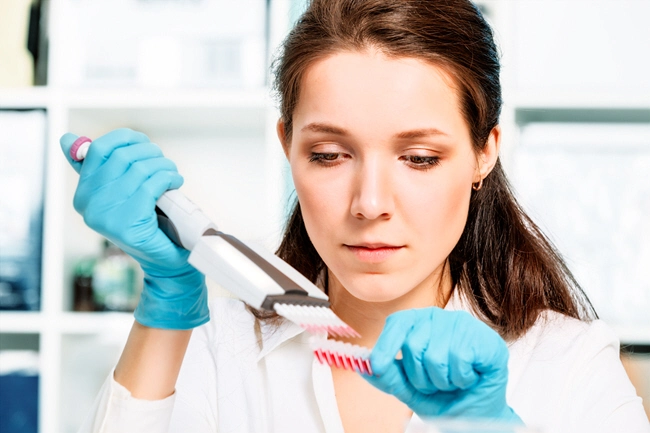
[389, 119]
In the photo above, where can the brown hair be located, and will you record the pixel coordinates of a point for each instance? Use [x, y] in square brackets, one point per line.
[503, 264]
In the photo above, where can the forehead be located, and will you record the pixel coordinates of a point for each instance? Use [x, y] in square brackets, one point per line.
[368, 89]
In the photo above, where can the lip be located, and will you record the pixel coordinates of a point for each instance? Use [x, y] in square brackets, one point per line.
[373, 246]
[373, 252]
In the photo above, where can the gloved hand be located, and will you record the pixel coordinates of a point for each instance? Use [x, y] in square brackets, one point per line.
[120, 180]
[452, 365]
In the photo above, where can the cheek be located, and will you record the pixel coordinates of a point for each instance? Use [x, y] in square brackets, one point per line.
[321, 203]
[440, 211]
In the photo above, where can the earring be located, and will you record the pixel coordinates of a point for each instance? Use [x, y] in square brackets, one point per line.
[478, 185]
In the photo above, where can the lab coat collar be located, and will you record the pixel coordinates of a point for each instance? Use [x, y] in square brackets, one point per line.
[273, 336]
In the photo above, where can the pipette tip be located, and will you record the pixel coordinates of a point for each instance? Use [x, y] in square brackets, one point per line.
[342, 355]
[316, 319]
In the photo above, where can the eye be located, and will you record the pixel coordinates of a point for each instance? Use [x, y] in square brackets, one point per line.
[421, 162]
[326, 159]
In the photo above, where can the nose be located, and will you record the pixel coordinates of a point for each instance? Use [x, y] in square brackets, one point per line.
[373, 192]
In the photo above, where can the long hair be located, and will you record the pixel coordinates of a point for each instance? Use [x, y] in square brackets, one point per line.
[503, 264]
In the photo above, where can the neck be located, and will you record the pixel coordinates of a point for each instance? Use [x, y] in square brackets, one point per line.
[368, 318]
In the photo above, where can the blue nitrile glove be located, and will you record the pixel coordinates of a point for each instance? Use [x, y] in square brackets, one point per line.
[452, 365]
[120, 181]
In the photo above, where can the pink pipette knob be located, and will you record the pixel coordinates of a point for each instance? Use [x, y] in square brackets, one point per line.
[78, 150]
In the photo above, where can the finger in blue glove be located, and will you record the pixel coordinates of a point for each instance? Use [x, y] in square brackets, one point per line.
[451, 365]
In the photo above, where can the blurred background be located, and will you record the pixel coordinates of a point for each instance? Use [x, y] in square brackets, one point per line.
[194, 75]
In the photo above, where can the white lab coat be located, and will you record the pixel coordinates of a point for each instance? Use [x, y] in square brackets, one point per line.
[240, 376]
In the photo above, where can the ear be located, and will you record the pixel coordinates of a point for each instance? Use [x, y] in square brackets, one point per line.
[487, 157]
[282, 135]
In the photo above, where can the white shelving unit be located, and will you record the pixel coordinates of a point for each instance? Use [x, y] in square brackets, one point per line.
[573, 62]
[224, 143]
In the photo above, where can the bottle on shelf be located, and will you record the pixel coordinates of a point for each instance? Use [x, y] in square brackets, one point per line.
[111, 282]
[82, 286]
[114, 280]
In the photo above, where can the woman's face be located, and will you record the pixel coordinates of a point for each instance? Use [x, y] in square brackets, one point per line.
[383, 167]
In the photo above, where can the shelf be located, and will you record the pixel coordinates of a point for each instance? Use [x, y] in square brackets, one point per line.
[207, 113]
[171, 111]
[166, 98]
[40, 96]
[524, 115]
[21, 322]
[597, 99]
[95, 323]
[24, 97]
[27, 322]
[633, 335]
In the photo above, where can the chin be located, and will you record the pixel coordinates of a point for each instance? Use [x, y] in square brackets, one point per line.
[374, 288]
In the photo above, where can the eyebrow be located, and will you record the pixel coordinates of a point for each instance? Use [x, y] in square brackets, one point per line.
[419, 133]
[327, 128]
